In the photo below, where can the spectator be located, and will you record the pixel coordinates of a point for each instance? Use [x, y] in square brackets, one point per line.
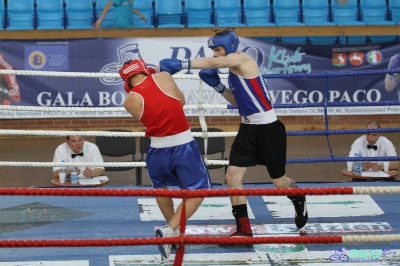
[123, 14]
[76, 149]
[374, 145]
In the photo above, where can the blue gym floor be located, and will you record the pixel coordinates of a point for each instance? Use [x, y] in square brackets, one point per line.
[48, 217]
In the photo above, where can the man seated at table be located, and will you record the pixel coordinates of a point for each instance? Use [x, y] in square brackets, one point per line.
[374, 145]
[76, 149]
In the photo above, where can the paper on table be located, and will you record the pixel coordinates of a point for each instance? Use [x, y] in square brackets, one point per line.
[89, 182]
[101, 178]
[374, 174]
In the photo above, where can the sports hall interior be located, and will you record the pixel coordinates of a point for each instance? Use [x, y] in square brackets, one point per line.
[266, 27]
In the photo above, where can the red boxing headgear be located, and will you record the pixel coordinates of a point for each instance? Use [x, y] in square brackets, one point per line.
[131, 68]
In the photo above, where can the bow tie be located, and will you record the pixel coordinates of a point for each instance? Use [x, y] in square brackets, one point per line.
[76, 154]
[372, 147]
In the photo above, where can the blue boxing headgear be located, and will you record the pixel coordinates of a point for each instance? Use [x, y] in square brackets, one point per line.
[229, 41]
[394, 62]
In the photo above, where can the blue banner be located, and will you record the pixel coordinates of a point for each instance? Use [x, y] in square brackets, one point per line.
[108, 55]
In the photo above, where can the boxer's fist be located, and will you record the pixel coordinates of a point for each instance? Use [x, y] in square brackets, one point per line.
[173, 66]
[211, 78]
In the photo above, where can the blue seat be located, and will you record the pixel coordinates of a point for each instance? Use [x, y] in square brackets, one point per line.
[347, 15]
[21, 15]
[394, 11]
[228, 13]
[323, 40]
[286, 13]
[49, 14]
[79, 14]
[146, 8]
[257, 13]
[300, 40]
[343, 15]
[2, 15]
[168, 14]
[374, 12]
[198, 13]
[316, 13]
[109, 19]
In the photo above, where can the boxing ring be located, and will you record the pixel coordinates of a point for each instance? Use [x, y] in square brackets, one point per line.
[349, 223]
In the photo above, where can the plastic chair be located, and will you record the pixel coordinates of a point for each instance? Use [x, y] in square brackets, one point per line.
[345, 14]
[168, 14]
[394, 11]
[198, 13]
[374, 12]
[227, 13]
[2, 14]
[118, 147]
[109, 19]
[50, 14]
[257, 13]
[20, 15]
[323, 40]
[79, 14]
[316, 13]
[146, 8]
[216, 146]
[286, 13]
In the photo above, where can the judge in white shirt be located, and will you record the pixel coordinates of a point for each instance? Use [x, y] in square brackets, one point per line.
[374, 145]
[76, 149]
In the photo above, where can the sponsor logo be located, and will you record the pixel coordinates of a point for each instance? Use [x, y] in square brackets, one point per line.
[374, 57]
[37, 59]
[362, 255]
[339, 59]
[356, 58]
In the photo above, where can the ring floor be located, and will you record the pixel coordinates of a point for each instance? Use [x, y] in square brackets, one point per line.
[72, 217]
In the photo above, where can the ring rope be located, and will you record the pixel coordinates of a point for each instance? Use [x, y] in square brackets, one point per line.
[199, 193]
[187, 240]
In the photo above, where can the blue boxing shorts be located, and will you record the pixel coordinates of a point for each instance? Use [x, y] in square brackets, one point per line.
[180, 165]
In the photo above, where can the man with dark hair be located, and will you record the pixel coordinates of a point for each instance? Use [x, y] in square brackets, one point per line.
[374, 145]
[76, 149]
[261, 138]
[173, 157]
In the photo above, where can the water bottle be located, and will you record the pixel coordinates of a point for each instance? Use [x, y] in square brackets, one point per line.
[357, 166]
[63, 169]
[74, 175]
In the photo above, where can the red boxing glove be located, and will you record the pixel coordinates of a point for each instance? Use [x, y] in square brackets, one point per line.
[152, 70]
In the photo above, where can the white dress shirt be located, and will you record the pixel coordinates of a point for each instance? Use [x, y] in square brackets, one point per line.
[91, 153]
[384, 148]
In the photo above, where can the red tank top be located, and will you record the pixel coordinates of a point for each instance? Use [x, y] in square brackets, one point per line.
[162, 115]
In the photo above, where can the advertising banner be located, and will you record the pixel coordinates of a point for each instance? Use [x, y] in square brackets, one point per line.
[108, 55]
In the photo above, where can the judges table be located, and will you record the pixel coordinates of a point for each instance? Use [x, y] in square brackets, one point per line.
[82, 182]
[370, 176]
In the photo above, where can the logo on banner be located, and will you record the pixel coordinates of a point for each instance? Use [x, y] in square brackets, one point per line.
[374, 57]
[37, 59]
[362, 255]
[356, 58]
[339, 59]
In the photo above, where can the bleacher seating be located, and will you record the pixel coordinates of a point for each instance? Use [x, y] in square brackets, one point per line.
[79, 14]
[394, 11]
[257, 13]
[49, 14]
[168, 14]
[228, 13]
[21, 15]
[198, 13]
[146, 8]
[287, 13]
[347, 15]
[2, 15]
[108, 21]
[374, 12]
